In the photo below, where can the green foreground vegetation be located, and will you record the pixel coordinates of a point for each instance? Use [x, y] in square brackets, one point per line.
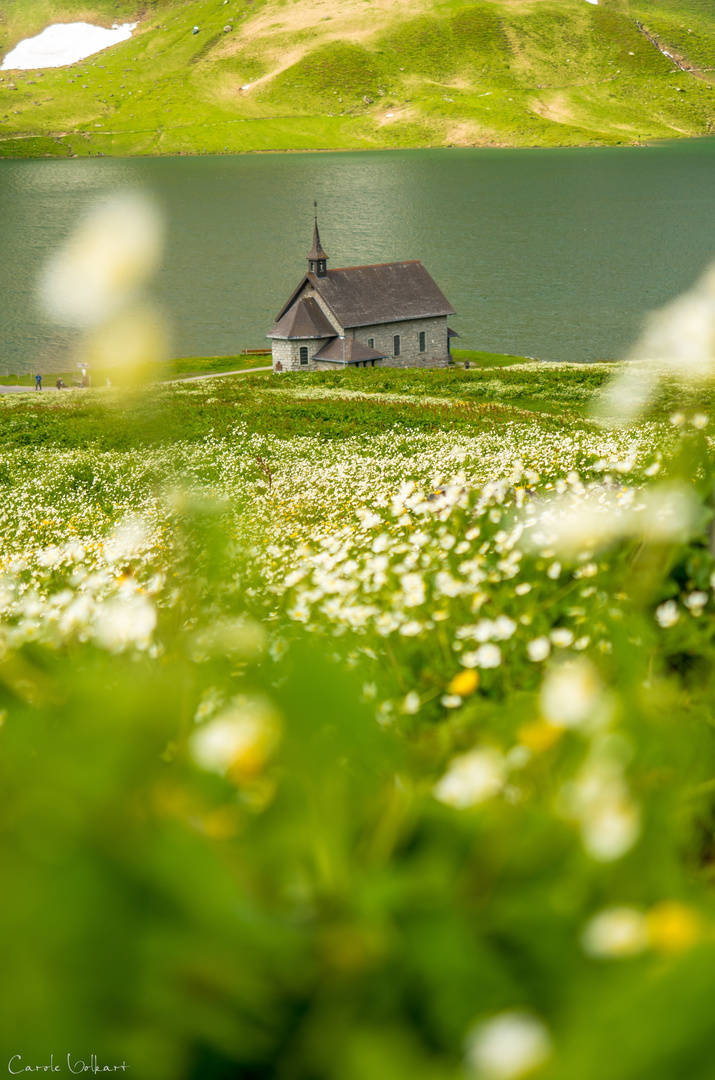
[267, 75]
[359, 726]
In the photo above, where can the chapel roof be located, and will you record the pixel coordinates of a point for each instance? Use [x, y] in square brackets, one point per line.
[347, 351]
[380, 293]
[303, 320]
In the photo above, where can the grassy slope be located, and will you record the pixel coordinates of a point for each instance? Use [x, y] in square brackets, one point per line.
[333, 405]
[362, 73]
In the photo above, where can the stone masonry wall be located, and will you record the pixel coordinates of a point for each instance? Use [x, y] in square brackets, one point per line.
[287, 354]
[436, 352]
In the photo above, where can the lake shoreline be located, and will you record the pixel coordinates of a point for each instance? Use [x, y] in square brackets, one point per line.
[271, 152]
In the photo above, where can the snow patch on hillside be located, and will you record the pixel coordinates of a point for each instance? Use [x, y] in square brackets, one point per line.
[64, 43]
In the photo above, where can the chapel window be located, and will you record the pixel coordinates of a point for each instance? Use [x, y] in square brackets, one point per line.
[304, 354]
[396, 345]
[423, 342]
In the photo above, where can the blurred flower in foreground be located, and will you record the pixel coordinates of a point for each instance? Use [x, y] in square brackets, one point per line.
[113, 252]
[471, 779]
[600, 800]
[667, 614]
[678, 341]
[125, 345]
[616, 932]
[572, 696]
[507, 1047]
[239, 741]
[125, 622]
[672, 926]
[465, 683]
[538, 649]
[576, 522]
[95, 283]
[619, 932]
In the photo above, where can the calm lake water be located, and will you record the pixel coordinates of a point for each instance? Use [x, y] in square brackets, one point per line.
[550, 253]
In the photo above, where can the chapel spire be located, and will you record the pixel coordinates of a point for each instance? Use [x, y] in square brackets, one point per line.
[317, 259]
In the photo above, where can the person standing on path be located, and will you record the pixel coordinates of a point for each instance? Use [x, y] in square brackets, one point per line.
[38, 382]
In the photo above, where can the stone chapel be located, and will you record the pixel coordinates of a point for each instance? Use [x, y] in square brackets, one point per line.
[385, 315]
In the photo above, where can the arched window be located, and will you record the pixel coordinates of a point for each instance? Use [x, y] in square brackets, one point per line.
[423, 341]
[396, 345]
[304, 354]
[371, 342]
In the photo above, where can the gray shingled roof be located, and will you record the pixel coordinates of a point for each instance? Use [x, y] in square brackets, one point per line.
[388, 292]
[304, 320]
[347, 351]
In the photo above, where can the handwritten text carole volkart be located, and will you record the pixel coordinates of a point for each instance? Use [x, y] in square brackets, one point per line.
[76, 1066]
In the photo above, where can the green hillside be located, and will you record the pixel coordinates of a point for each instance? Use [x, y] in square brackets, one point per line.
[312, 74]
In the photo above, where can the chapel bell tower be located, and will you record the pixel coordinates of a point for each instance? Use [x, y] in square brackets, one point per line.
[317, 259]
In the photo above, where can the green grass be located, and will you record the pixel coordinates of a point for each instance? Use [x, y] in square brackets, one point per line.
[561, 72]
[331, 405]
[486, 359]
[309, 770]
[173, 369]
[214, 365]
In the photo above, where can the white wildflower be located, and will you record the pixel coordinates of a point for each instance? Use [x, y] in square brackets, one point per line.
[50, 556]
[239, 740]
[562, 637]
[472, 778]
[486, 656]
[411, 704]
[616, 932]
[413, 588]
[695, 602]
[667, 614]
[121, 623]
[504, 627]
[571, 694]
[538, 649]
[508, 1046]
[368, 519]
[600, 800]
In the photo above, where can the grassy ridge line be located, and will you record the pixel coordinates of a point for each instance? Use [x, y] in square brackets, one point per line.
[348, 75]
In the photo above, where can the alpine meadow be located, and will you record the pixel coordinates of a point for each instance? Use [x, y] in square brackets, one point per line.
[286, 75]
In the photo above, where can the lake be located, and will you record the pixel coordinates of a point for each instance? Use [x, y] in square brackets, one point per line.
[556, 254]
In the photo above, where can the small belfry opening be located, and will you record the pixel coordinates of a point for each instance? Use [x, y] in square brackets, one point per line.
[317, 259]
